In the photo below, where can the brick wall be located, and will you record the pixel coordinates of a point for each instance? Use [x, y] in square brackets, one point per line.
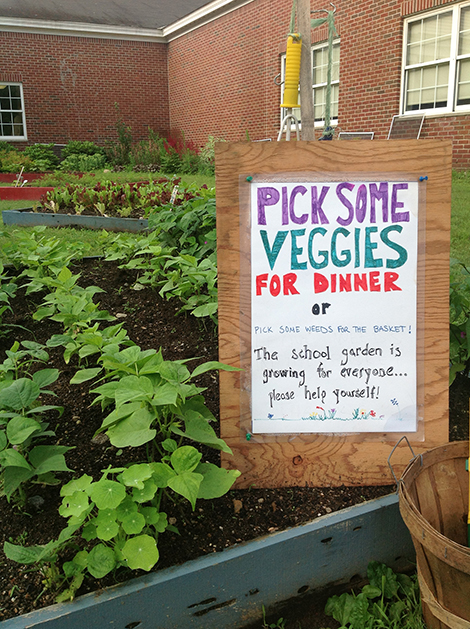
[70, 85]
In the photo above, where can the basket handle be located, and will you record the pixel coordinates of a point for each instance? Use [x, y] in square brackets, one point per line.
[391, 453]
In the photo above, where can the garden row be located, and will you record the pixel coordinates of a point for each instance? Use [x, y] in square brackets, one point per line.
[152, 402]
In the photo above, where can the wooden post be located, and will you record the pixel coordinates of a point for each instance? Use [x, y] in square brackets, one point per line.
[306, 93]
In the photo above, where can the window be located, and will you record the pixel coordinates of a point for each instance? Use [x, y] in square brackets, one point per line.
[319, 81]
[437, 61]
[12, 123]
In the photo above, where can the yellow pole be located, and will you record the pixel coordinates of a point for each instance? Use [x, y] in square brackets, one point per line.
[291, 79]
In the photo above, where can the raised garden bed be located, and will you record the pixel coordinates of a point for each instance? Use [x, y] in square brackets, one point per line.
[10, 193]
[228, 589]
[27, 218]
[12, 177]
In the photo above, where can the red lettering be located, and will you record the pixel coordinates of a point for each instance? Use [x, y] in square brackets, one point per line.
[320, 283]
[288, 282]
[275, 285]
[261, 282]
[345, 283]
[374, 280]
[389, 281]
[360, 281]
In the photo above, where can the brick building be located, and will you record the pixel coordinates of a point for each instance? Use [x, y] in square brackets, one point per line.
[69, 70]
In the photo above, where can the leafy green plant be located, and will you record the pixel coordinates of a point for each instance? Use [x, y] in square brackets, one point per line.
[7, 292]
[12, 161]
[82, 162]
[43, 156]
[459, 341]
[18, 361]
[77, 147]
[70, 304]
[389, 601]
[21, 426]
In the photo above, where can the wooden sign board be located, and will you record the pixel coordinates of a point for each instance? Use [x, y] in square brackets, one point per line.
[333, 263]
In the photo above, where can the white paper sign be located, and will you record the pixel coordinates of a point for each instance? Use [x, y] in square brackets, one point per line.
[333, 293]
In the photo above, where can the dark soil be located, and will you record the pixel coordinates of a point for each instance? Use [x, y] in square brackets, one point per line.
[241, 515]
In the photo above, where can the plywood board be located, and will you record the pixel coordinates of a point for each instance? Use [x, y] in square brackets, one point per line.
[333, 459]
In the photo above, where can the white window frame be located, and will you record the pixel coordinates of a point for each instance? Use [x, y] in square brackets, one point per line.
[297, 112]
[452, 60]
[14, 138]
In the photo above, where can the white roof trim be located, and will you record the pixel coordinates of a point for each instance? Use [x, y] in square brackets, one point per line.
[190, 22]
[80, 29]
[204, 15]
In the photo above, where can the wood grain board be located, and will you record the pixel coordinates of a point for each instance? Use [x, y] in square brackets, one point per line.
[325, 460]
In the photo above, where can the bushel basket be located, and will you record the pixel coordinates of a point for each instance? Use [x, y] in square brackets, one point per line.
[433, 499]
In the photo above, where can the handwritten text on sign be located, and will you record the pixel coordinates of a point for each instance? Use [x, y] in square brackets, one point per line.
[333, 291]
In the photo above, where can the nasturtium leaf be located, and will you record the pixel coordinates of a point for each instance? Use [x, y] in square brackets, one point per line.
[133, 523]
[79, 484]
[106, 529]
[141, 552]
[216, 481]
[135, 475]
[151, 514]
[107, 494]
[89, 531]
[187, 485]
[45, 377]
[185, 459]
[74, 504]
[20, 428]
[126, 507]
[162, 523]
[162, 474]
[20, 394]
[101, 560]
[147, 492]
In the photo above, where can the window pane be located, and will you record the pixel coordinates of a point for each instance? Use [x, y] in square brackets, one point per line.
[4, 103]
[429, 39]
[7, 118]
[463, 89]
[11, 111]
[464, 37]
[18, 129]
[427, 87]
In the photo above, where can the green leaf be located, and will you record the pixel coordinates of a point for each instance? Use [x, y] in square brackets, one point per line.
[206, 310]
[165, 394]
[360, 616]
[147, 492]
[49, 459]
[28, 555]
[133, 431]
[185, 459]
[151, 514]
[45, 377]
[79, 484]
[371, 592]
[12, 458]
[133, 523]
[216, 481]
[162, 474]
[74, 504]
[135, 475]
[141, 552]
[101, 560]
[187, 485]
[173, 372]
[85, 374]
[106, 525]
[210, 365]
[13, 477]
[382, 577]
[197, 429]
[133, 389]
[340, 607]
[20, 428]
[107, 494]
[126, 507]
[21, 394]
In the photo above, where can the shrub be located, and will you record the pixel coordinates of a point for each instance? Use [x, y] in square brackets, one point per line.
[83, 162]
[76, 147]
[42, 156]
[12, 161]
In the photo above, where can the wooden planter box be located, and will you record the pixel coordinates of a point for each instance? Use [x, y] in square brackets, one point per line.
[12, 177]
[228, 589]
[10, 193]
[27, 218]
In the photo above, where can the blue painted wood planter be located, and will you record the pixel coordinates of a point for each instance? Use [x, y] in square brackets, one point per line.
[227, 590]
[28, 218]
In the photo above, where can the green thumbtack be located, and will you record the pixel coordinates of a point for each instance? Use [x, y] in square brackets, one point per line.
[248, 436]
[249, 179]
